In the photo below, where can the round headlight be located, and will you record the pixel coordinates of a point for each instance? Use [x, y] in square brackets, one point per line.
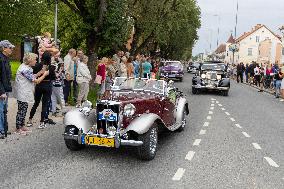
[129, 110]
[203, 76]
[219, 77]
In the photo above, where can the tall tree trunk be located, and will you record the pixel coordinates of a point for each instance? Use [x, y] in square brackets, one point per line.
[91, 52]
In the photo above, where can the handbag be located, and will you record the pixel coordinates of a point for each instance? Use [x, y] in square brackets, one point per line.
[98, 79]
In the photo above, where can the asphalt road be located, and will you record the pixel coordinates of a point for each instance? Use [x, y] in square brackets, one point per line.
[229, 142]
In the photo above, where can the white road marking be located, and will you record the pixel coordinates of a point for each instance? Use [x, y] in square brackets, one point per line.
[206, 124]
[246, 135]
[219, 104]
[178, 174]
[223, 109]
[232, 119]
[213, 102]
[212, 105]
[209, 117]
[271, 162]
[227, 113]
[189, 155]
[256, 146]
[210, 112]
[211, 108]
[213, 99]
[202, 132]
[196, 142]
[238, 125]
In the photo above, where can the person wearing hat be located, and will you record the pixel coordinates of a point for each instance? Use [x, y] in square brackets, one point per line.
[6, 49]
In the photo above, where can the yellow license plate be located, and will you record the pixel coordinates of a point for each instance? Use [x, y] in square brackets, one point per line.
[93, 140]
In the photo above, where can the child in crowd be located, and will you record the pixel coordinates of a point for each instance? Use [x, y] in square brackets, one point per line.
[57, 90]
[45, 44]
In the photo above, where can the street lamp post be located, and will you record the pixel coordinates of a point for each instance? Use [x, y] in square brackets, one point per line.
[55, 22]
[218, 30]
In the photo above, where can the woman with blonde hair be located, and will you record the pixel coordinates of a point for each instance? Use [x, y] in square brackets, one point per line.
[123, 67]
[24, 88]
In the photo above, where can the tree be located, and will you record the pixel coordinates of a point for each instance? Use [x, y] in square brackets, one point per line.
[169, 24]
[20, 17]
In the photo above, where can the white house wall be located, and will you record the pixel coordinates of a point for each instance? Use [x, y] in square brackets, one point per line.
[250, 42]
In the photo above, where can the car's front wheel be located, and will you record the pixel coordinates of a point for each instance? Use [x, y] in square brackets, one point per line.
[194, 90]
[73, 145]
[148, 150]
[226, 93]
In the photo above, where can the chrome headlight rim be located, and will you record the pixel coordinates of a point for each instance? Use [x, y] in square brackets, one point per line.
[129, 110]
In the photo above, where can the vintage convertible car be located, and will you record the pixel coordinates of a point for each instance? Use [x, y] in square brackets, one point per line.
[132, 115]
[211, 76]
[172, 70]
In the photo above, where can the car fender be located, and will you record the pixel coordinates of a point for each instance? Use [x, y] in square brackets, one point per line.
[196, 80]
[143, 123]
[181, 106]
[224, 82]
[78, 119]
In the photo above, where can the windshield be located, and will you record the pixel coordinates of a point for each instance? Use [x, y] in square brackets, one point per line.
[213, 67]
[174, 64]
[122, 83]
[196, 65]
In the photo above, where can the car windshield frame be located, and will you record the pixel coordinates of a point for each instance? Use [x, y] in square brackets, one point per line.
[137, 84]
[215, 67]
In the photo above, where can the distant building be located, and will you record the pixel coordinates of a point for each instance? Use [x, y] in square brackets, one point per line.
[260, 45]
[220, 52]
[229, 54]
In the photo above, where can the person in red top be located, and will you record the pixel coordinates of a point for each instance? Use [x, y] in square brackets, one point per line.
[101, 76]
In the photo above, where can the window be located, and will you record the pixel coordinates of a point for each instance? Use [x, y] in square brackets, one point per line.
[283, 51]
[257, 39]
[249, 51]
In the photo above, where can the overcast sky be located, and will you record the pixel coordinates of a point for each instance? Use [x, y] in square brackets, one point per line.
[251, 12]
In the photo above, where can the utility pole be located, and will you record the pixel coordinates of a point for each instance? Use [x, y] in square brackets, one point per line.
[235, 45]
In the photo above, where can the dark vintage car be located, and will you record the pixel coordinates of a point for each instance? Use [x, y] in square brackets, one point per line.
[171, 69]
[132, 115]
[192, 68]
[211, 76]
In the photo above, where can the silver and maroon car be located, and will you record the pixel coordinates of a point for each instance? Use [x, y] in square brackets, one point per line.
[132, 115]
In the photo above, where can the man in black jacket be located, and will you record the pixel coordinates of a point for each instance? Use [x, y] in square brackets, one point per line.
[240, 72]
[6, 49]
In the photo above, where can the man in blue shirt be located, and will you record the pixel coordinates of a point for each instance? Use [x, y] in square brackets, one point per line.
[147, 67]
[6, 49]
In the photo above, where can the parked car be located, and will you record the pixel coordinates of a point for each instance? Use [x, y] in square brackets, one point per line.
[132, 115]
[192, 68]
[172, 70]
[211, 76]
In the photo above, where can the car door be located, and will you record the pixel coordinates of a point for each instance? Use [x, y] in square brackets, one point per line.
[168, 112]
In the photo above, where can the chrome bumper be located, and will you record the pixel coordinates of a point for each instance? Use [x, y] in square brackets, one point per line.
[118, 141]
[211, 87]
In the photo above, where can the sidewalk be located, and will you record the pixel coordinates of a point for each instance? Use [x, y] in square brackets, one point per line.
[12, 112]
